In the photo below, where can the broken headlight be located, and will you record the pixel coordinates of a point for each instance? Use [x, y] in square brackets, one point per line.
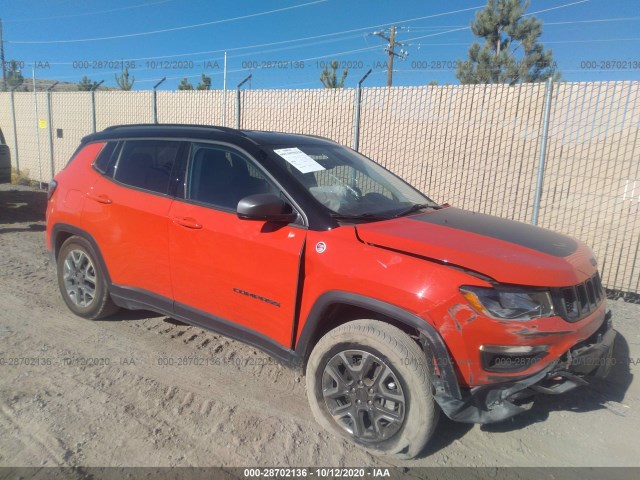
[509, 304]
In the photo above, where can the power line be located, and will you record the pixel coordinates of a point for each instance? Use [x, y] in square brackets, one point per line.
[282, 42]
[174, 29]
[546, 24]
[432, 34]
[551, 42]
[597, 20]
[207, 52]
[452, 12]
[58, 17]
[525, 15]
[417, 44]
[337, 54]
[595, 41]
[441, 27]
[557, 7]
[297, 60]
[220, 57]
[363, 49]
[366, 48]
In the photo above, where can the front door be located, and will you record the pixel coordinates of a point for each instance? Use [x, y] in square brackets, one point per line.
[243, 271]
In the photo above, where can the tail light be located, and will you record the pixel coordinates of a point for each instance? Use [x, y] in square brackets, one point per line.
[52, 188]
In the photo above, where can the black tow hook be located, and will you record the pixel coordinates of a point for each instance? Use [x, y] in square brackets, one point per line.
[570, 382]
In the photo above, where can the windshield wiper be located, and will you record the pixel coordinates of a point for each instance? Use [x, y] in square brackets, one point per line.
[378, 216]
[360, 216]
[415, 208]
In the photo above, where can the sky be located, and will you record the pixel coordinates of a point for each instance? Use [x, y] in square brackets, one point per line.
[286, 43]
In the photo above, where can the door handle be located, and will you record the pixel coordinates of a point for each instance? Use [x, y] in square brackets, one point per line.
[99, 198]
[187, 222]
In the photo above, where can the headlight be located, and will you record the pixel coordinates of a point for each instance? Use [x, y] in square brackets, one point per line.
[509, 304]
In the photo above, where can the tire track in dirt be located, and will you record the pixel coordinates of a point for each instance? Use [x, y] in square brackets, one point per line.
[177, 398]
[245, 410]
[34, 442]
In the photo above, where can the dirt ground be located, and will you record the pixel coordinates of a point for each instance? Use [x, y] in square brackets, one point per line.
[123, 392]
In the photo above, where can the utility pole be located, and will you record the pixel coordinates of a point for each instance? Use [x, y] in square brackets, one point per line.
[35, 111]
[224, 93]
[391, 50]
[392, 44]
[4, 65]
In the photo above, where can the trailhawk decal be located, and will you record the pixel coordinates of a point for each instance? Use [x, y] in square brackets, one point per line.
[518, 233]
[257, 297]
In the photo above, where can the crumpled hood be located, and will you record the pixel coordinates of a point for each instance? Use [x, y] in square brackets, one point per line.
[505, 250]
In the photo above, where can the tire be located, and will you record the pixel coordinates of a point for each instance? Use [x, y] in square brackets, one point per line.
[404, 426]
[5, 164]
[82, 282]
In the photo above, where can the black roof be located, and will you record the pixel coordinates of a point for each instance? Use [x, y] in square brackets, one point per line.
[204, 132]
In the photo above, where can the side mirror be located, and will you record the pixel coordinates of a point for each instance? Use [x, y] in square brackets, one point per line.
[266, 207]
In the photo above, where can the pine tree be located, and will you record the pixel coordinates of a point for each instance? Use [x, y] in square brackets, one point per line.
[86, 84]
[330, 79]
[205, 83]
[123, 80]
[14, 75]
[185, 84]
[511, 52]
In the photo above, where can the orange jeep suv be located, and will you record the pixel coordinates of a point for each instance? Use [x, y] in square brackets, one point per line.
[396, 307]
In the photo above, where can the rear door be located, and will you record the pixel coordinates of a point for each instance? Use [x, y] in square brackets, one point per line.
[126, 211]
[243, 271]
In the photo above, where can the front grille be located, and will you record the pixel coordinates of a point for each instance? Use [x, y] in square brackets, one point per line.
[576, 302]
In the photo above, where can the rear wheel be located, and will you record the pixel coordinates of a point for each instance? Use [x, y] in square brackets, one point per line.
[368, 381]
[82, 282]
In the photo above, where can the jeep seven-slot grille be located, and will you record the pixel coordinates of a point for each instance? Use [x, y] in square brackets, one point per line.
[574, 303]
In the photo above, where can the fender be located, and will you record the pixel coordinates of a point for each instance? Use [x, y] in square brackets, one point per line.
[67, 228]
[429, 336]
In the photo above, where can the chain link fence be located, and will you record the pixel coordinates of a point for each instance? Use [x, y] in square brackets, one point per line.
[565, 156]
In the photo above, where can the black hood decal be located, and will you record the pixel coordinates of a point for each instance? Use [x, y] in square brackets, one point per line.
[518, 233]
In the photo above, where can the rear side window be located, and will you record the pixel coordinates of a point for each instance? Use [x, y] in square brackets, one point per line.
[147, 164]
[105, 157]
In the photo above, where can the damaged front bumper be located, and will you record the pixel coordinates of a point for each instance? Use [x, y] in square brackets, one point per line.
[591, 358]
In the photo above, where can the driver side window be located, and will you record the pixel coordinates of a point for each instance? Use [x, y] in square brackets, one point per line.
[220, 176]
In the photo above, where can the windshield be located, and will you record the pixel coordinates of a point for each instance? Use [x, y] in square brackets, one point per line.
[349, 184]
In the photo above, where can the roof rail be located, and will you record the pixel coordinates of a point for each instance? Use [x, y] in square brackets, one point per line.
[309, 135]
[174, 125]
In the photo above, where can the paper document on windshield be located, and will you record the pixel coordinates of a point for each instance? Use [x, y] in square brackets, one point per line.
[300, 160]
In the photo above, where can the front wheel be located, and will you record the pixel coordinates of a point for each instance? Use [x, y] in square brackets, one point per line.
[368, 381]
